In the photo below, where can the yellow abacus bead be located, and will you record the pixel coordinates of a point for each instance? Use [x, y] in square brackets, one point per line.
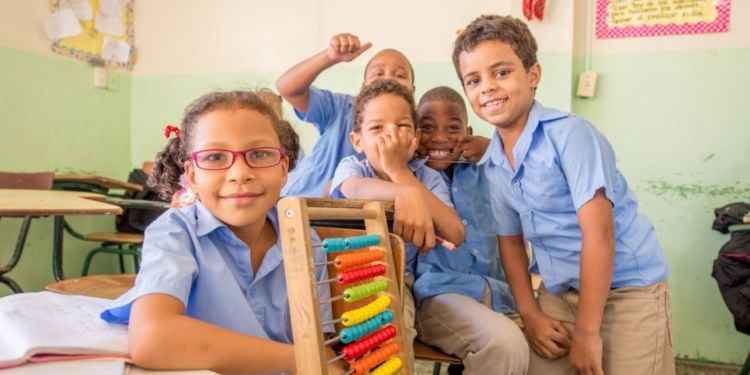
[363, 313]
[389, 367]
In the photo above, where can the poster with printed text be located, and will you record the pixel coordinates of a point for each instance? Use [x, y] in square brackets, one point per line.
[643, 18]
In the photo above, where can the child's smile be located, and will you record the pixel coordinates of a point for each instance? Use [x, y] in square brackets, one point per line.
[497, 85]
[441, 123]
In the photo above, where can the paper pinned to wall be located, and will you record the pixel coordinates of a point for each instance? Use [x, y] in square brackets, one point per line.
[115, 50]
[110, 8]
[62, 24]
[108, 24]
[82, 8]
[88, 45]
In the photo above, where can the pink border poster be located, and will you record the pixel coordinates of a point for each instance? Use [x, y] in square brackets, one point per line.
[638, 18]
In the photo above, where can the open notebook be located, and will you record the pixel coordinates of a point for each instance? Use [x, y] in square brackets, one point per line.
[46, 326]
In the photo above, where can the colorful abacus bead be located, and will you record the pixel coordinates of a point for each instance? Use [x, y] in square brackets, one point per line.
[349, 243]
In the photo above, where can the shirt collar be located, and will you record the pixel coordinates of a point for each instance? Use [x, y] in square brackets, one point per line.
[207, 222]
[537, 115]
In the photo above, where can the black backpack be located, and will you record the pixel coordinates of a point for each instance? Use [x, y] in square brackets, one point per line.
[135, 220]
[732, 267]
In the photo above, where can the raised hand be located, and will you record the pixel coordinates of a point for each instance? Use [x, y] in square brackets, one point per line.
[346, 47]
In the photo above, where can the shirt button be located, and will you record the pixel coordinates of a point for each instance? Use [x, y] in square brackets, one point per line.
[455, 190]
[465, 222]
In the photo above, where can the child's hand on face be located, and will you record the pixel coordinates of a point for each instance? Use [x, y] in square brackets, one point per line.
[396, 150]
[472, 146]
[346, 47]
[412, 220]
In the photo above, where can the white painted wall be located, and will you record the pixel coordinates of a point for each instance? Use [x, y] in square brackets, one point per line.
[237, 36]
[22, 25]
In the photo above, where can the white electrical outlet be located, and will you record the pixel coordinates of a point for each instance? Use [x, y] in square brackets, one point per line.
[587, 84]
[100, 77]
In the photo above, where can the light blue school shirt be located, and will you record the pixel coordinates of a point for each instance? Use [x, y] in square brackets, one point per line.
[476, 263]
[353, 166]
[331, 114]
[561, 161]
[191, 255]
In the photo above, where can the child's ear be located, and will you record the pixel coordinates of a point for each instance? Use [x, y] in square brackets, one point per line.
[285, 170]
[356, 139]
[535, 75]
[190, 173]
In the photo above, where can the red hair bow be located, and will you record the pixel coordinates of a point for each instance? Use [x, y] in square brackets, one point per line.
[171, 129]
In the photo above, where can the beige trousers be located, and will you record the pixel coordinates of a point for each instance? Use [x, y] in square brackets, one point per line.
[636, 331]
[488, 342]
[409, 316]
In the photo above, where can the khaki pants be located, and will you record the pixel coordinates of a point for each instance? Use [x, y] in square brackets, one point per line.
[488, 342]
[409, 315]
[636, 331]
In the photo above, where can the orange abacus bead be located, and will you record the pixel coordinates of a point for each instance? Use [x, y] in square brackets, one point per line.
[355, 259]
[370, 361]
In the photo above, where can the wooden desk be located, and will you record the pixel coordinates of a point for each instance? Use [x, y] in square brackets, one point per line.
[92, 182]
[35, 203]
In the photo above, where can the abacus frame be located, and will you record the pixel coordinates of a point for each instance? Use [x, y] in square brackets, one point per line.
[304, 304]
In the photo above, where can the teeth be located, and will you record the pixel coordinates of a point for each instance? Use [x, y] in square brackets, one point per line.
[492, 104]
[438, 153]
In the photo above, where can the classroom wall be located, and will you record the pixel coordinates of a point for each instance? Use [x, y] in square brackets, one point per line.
[251, 44]
[675, 110]
[53, 119]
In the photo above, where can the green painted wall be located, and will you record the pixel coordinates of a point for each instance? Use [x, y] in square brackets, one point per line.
[53, 119]
[680, 125]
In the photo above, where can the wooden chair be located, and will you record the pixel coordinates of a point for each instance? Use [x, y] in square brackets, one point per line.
[111, 243]
[119, 243]
[12, 180]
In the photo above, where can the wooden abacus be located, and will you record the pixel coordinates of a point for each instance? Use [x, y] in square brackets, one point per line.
[367, 316]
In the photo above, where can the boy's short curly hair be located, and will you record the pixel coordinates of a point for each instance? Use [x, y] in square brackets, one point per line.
[504, 29]
[444, 94]
[375, 89]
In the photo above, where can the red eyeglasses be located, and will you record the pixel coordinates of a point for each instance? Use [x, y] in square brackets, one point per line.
[217, 159]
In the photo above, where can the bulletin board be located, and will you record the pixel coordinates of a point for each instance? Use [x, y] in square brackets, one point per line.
[640, 18]
[88, 45]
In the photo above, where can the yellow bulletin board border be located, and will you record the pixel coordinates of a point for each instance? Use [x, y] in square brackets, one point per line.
[87, 45]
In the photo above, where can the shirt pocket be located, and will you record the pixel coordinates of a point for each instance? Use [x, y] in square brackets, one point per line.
[545, 187]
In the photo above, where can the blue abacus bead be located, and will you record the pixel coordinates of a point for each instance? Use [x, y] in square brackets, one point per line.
[360, 330]
[333, 244]
[362, 241]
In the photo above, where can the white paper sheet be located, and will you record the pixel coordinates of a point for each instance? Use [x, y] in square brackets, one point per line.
[53, 323]
[115, 50]
[108, 25]
[82, 8]
[110, 8]
[62, 24]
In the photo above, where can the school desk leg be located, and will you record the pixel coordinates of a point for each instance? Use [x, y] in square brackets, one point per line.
[57, 248]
